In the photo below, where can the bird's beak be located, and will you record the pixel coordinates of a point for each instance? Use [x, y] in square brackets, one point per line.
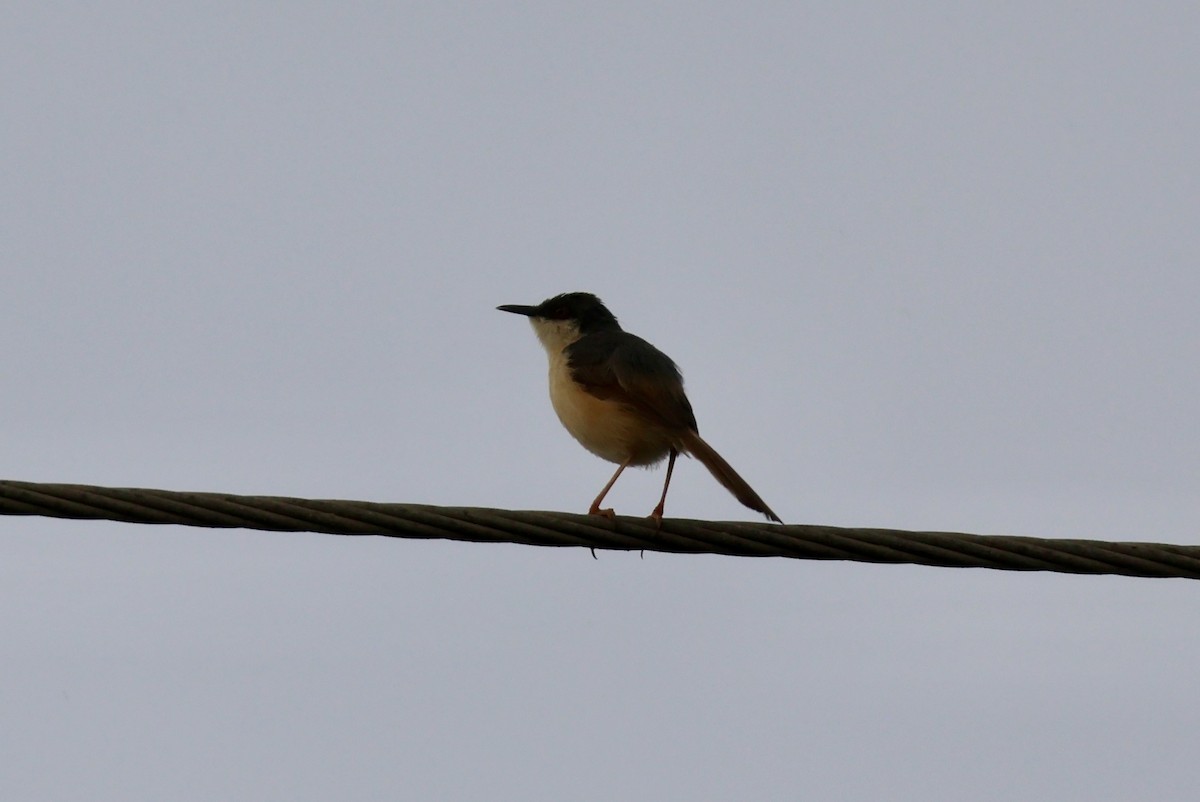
[518, 309]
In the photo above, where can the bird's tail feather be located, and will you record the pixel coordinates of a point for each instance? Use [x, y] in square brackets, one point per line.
[724, 473]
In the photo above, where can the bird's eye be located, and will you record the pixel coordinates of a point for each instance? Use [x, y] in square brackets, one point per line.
[561, 313]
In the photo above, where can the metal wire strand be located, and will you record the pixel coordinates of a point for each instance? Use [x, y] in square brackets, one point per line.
[279, 514]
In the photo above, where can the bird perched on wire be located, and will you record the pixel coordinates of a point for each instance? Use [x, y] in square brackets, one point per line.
[621, 397]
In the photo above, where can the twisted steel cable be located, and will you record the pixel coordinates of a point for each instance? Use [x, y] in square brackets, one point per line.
[280, 514]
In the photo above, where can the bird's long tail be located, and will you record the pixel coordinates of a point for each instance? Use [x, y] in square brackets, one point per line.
[724, 473]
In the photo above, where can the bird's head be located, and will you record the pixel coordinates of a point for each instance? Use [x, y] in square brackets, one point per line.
[563, 319]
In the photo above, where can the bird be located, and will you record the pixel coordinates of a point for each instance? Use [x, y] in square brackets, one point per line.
[621, 397]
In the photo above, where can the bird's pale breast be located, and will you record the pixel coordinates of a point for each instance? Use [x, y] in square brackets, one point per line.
[608, 429]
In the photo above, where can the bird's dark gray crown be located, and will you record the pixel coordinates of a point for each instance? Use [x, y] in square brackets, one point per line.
[586, 309]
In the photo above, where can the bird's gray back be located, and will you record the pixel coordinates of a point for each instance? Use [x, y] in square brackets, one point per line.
[621, 366]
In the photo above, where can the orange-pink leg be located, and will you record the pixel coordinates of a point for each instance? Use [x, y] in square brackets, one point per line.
[656, 516]
[595, 508]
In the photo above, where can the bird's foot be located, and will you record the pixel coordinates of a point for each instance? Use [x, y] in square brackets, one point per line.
[609, 514]
[656, 516]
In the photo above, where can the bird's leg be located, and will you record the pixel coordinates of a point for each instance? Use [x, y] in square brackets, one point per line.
[595, 508]
[656, 516]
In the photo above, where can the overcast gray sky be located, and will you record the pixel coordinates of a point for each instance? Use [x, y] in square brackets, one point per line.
[924, 267]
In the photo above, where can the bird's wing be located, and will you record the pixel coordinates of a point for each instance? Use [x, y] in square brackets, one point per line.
[620, 366]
